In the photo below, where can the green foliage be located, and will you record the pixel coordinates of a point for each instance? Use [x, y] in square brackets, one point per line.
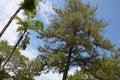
[25, 41]
[76, 32]
[20, 66]
[27, 25]
[105, 68]
[36, 25]
[29, 7]
[1, 59]
[4, 75]
[80, 75]
[15, 62]
[4, 47]
[30, 70]
[76, 76]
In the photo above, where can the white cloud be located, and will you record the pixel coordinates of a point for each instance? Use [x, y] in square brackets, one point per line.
[49, 76]
[55, 76]
[45, 11]
[7, 9]
[29, 52]
[73, 70]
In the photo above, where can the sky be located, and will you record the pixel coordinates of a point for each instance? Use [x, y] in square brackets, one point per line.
[107, 9]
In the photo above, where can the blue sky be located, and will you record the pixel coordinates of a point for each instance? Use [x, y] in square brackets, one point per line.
[107, 9]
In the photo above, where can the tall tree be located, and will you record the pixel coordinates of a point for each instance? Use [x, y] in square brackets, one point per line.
[29, 6]
[74, 37]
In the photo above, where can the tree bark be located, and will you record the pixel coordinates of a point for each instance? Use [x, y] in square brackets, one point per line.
[10, 20]
[67, 64]
[13, 50]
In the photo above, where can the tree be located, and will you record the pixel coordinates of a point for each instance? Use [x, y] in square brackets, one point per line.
[20, 66]
[30, 70]
[15, 62]
[25, 25]
[105, 68]
[74, 37]
[80, 75]
[29, 6]
[24, 28]
[29, 24]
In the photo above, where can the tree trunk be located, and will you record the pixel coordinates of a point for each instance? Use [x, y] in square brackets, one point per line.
[67, 64]
[9, 56]
[8, 23]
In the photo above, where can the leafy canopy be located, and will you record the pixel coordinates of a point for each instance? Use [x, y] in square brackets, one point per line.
[28, 25]
[74, 37]
[20, 66]
[30, 7]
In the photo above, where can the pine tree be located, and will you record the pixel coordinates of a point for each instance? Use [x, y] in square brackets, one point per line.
[74, 37]
[105, 68]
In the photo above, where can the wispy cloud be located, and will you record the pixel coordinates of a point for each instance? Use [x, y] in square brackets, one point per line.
[7, 9]
[45, 11]
[29, 52]
[55, 76]
[49, 76]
